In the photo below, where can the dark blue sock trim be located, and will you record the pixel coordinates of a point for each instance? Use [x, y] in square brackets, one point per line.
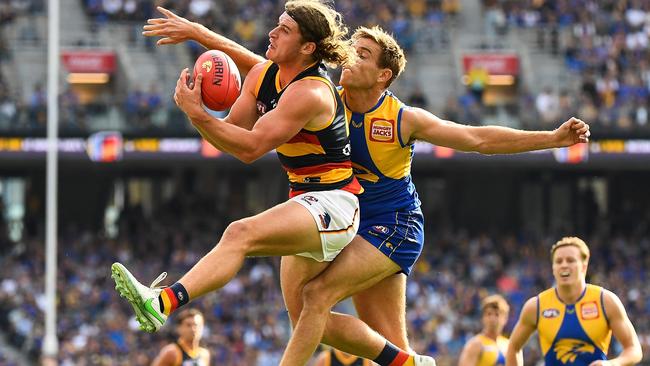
[387, 355]
[180, 293]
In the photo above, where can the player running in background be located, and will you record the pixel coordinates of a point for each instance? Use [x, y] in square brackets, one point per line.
[186, 350]
[575, 320]
[391, 234]
[489, 347]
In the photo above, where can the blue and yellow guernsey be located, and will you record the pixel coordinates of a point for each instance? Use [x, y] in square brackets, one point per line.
[573, 334]
[493, 353]
[380, 159]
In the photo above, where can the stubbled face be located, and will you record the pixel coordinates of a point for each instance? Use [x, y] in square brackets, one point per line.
[364, 73]
[568, 267]
[494, 320]
[285, 40]
[191, 328]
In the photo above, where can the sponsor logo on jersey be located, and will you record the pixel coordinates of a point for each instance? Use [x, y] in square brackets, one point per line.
[589, 310]
[382, 130]
[261, 108]
[567, 350]
[550, 313]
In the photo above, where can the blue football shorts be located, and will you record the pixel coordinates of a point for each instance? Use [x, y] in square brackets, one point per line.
[399, 235]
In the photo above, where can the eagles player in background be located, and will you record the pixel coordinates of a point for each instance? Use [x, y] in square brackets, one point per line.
[489, 347]
[575, 320]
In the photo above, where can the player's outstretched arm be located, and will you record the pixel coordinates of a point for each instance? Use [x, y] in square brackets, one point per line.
[523, 330]
[471, 352]
[418, 124]
[623, 331]
[270, 131]
[175, 29]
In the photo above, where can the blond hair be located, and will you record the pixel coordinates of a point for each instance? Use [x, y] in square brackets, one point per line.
[321, 24]
[573, 241]
[392, 56]
[496, 302]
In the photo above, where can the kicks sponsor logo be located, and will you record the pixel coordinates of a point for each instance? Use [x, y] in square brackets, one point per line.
[550, 313]
[180, 296]
[382, 130]
[151, 311]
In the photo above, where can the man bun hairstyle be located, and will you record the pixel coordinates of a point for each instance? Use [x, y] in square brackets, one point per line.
[320, 23]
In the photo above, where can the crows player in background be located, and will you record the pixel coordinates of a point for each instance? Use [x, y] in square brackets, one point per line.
[186, 350]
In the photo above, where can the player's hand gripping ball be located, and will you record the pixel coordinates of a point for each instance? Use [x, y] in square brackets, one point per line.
[221, 81]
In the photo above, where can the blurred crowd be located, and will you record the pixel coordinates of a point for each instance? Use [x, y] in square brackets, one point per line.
[412, 21]
[246, 322]
[604, 45]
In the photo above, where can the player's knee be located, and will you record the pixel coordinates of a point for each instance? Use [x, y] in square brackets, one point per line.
[238, 235]
[316, 295]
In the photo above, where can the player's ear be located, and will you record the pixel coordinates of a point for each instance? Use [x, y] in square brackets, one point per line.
[308, 48]
[385, 75]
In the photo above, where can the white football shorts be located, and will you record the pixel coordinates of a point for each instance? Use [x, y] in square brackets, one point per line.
[336, 213]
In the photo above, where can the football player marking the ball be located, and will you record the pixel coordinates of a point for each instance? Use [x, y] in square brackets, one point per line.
[375, 263]
[575, 320]
[311, 138]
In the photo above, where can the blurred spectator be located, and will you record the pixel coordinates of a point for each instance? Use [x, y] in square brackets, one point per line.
[547, 105]
[71, 111]
[417, 98]
[37, 107]
[477, 79]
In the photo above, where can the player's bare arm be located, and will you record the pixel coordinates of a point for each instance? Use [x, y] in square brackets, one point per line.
[176, 29]
[271, 130]
[418, 124]
[168, 356]
[522, 332]
[623, 331]
[471, 353]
